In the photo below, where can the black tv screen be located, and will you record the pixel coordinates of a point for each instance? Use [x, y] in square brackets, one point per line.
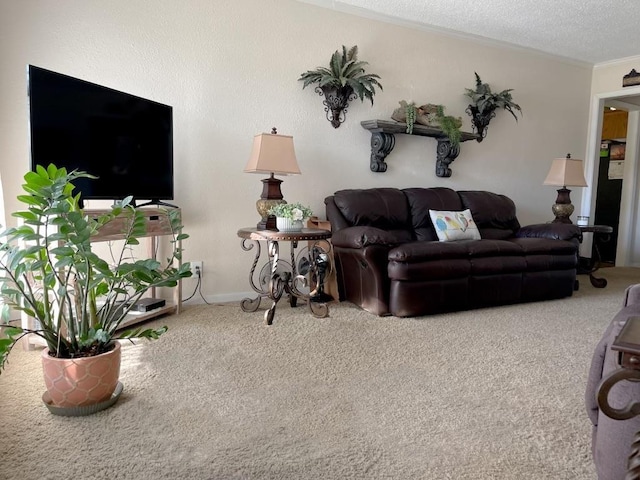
[124, 140]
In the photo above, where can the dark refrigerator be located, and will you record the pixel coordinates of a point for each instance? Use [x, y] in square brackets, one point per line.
[608, 196]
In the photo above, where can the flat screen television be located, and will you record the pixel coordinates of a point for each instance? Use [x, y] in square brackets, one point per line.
[124, 140]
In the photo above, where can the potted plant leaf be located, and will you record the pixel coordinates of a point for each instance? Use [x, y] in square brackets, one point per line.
[78, 300]
[484, 104]
[343, 81]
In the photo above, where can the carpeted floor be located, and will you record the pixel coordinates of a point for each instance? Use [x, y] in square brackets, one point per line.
[485, 394]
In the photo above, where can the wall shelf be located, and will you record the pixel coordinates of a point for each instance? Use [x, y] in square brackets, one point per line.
[383, 140]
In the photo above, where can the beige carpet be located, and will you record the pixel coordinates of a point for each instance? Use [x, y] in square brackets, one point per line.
[486, 394]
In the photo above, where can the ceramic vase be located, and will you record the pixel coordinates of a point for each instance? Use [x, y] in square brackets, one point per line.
[287, 225]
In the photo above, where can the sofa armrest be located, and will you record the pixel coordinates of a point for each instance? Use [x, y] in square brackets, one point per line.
[632, 295]
[556, 231]
[360, 237]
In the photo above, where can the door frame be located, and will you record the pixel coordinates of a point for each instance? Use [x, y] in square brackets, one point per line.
[628, 225]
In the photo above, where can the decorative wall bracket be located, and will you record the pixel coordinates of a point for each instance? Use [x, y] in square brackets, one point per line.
[383, 140]
[480, 121]
[336, 101]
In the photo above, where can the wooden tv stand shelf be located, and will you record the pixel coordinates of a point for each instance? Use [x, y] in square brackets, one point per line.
[158, 225]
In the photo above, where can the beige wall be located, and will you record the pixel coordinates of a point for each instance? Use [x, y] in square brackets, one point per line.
[230, 67]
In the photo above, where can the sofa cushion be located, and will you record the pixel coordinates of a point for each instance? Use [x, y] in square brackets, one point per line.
[426, 271]
[451, 226]
[417, 252]
[532, 246]
[493, 248]
[557, 231]
[550, 262]
[497, 265]
[360, 237]
[494, 214]
[421, 200]
[384, 208]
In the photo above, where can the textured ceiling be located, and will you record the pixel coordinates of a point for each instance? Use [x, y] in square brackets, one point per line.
[590, 31]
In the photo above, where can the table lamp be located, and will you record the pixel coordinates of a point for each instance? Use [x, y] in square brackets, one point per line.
[565, 172]
[271, 153]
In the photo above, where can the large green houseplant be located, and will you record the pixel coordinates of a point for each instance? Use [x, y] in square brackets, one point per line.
[49, 271]
[484, 104]
[343, 81]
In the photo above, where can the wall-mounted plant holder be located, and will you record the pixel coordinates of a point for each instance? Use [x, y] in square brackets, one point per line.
[480, 121]
[343, 81]
[484, 105]
[336, 101]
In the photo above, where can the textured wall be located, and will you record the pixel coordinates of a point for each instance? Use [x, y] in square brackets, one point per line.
[230, 67]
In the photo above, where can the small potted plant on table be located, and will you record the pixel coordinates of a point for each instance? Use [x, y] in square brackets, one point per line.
[290, 216]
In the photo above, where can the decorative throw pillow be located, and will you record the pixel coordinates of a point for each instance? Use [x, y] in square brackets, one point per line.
[451, 226]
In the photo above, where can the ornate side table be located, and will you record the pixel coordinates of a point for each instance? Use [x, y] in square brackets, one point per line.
[601, 233]
[287, 280]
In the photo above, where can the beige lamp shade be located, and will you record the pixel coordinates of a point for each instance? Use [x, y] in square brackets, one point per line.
[566, 172]
[273, 153]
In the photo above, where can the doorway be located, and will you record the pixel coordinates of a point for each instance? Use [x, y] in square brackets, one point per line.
[625, 252]
[610, 177]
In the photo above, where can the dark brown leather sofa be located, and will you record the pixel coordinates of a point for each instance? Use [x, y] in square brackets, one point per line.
[389, 260]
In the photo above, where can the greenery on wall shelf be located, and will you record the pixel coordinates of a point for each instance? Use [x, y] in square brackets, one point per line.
[430, 115]
[484, 104]
[343, 81]
[449, 125]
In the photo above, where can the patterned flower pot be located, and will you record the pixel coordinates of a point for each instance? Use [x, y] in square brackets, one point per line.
[73, 382]
[287, 225]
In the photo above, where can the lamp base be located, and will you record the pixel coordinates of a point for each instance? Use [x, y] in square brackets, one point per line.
[263, 206]
[271, 196]
[562, 213]
[563, 208]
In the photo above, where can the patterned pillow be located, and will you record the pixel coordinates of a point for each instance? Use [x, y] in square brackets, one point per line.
[451, 226]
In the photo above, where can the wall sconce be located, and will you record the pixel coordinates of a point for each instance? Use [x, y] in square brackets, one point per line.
[565, 172]
[480, 121]
[271, 153]
[336, 101]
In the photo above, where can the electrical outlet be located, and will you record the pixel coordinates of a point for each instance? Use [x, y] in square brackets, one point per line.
[196, 265]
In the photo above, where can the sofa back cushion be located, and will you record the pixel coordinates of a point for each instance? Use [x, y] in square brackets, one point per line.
[384, 208]
[494, 214]
[421, 200]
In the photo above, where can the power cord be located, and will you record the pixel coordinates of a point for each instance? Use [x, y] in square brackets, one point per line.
[198, 288]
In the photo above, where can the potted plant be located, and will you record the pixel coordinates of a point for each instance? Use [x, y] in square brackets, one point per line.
[484, 104]
[343, 81]
[289, 216]
[49, 271]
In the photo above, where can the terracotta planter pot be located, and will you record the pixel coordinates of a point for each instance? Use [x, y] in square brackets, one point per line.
[73, 382]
